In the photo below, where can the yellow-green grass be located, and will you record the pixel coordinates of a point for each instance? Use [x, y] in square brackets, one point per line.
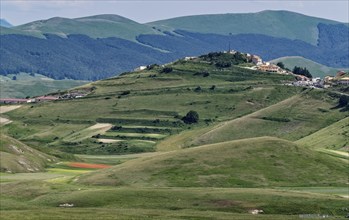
[255, 162]
[99, 128]
[339, 191]
[131, 214]
[38, 196]
[291, 119]
[18, 157]
[335, 137]
[109, 159]
[134, 135]
[19, 177]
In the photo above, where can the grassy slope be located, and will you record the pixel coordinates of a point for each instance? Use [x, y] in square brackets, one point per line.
[27, 85]
[166, 97]
[335, 137]
[272, 23]
[291, 119]
[99, 26]
[18, 157]
[316, 69]
[4, 31]
[158, 203]
[256, 162]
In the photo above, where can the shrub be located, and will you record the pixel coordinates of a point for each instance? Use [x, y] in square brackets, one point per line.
[198, 89]
[125, 93]
[191, 117]
[167, 70]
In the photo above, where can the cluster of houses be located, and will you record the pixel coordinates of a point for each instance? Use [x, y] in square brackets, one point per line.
[266, 66]
[341, 78]
[305, 81]
[260, 64]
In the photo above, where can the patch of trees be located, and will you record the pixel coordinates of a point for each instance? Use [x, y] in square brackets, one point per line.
[167, 70]
[202, 73]
[125, 93]
[343, 101]
[225, 60]
[191, 117]
[276, 119]
[302, 71]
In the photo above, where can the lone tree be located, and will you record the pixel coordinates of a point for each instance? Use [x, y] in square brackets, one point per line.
[281, 65]
[191, 117]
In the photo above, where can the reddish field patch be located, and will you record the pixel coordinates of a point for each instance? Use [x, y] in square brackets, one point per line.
[88, 165]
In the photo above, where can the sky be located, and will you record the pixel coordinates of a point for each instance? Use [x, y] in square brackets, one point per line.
[24, 11]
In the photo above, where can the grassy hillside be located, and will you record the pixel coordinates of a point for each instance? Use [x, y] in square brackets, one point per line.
[99, 26]
[316, 69]
[17, 157]
[26, 85]
[334, 137]
[40, 199]
[145, 110]
[272, 23]
[257, 162]
[290, 119]
[146, 107]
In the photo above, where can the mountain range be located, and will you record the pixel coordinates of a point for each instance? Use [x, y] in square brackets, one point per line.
[96, 47]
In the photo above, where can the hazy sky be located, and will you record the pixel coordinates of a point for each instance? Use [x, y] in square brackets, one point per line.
[24, 11]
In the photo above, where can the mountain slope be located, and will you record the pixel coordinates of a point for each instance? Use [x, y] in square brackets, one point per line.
[272, 23]
[316, 69]
[98, 26]
[101, 46]
[256, 162]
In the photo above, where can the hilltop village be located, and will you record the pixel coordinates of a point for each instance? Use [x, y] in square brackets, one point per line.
[250, 61]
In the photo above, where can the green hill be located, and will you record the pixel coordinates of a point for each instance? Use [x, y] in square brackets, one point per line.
[146, 107]
[256, 162]
[98, 26]
[272, 23]
[316, 69]
[17, 157]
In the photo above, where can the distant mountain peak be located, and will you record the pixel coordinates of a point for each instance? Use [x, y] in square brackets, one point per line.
[106, 17]
[4, 23]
